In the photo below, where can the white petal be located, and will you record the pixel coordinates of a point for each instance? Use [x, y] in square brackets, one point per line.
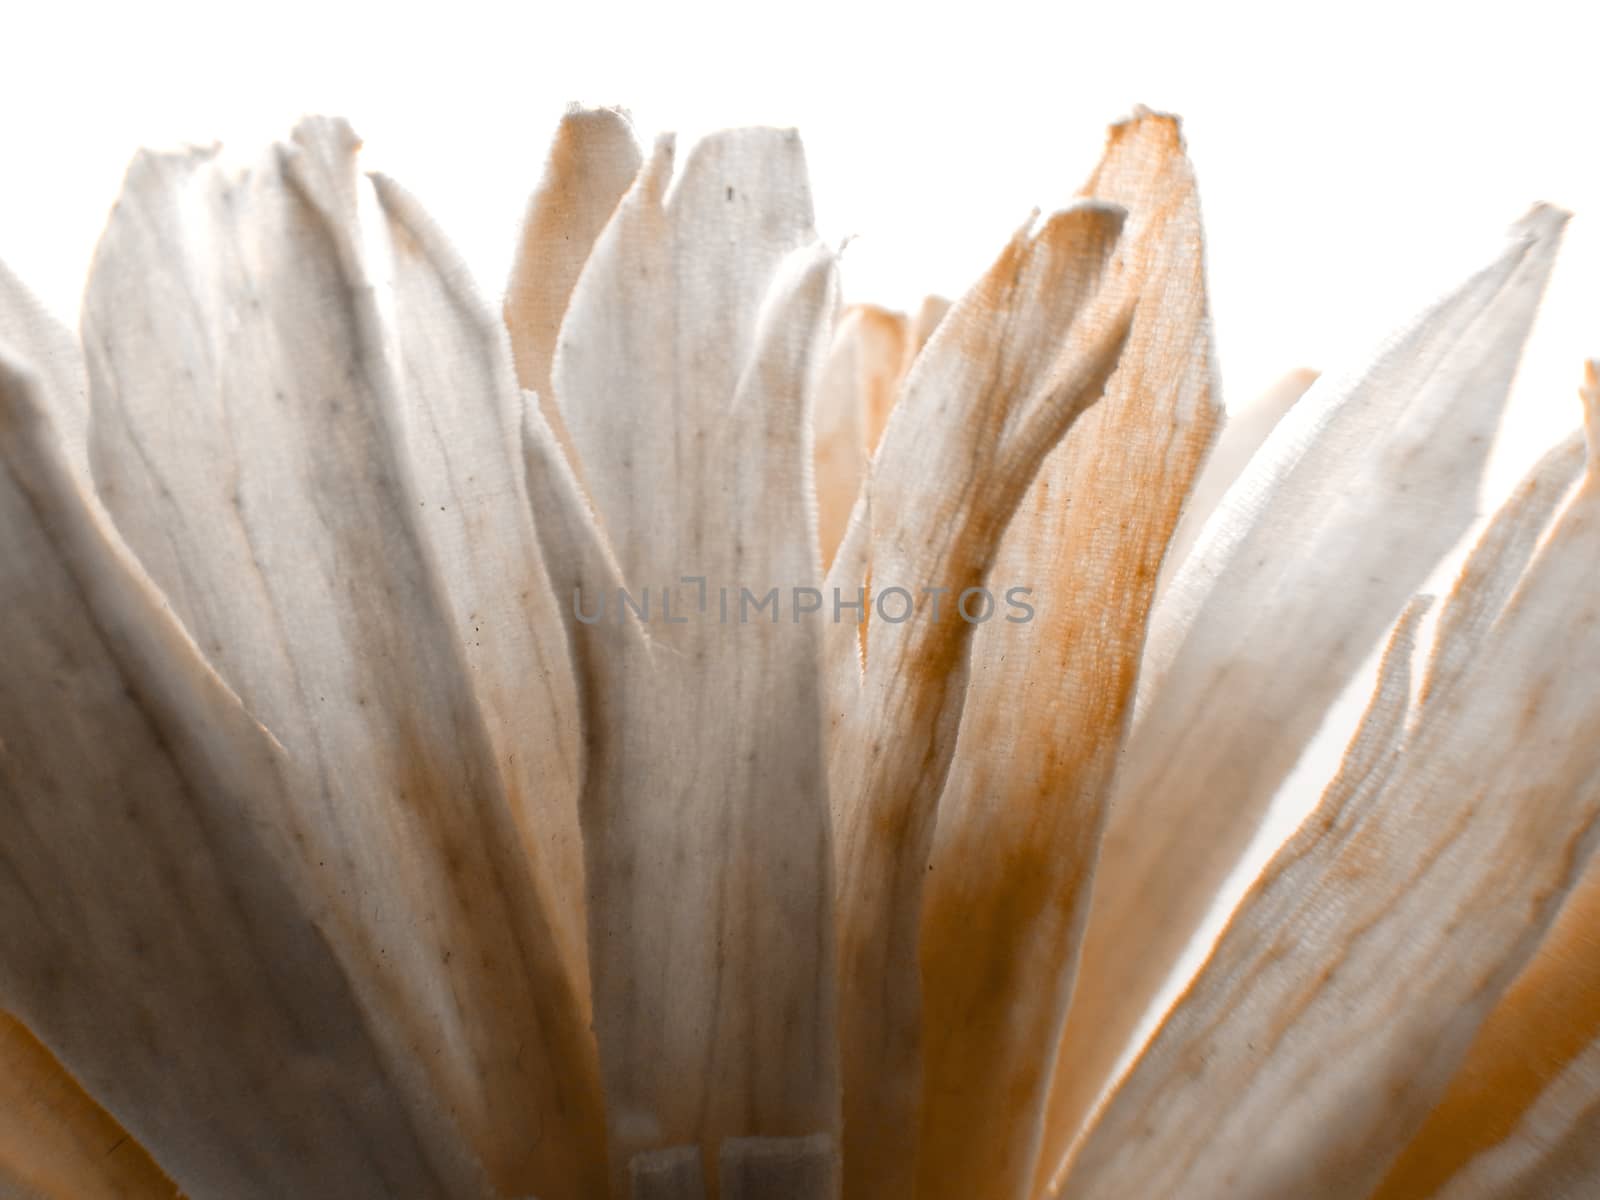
[51, 351]
[248, 438]
[163, 935]
[463, 428]
[686, 366]
[1498, 561]
[1236, 445]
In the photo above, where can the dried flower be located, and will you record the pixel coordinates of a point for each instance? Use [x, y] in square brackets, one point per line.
[678, 741]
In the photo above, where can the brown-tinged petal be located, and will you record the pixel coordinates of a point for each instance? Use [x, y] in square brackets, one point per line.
[1236, 444]
[1554, 1152]
[1498, 560]
[162, 931]
[1341, 514]
[1050, 694]
[249, 439]
[1011, 367]
[685, 372]
[1365, 768]
[859, 381]
[1349, 985]
[872, 353]
[1531, 1072]
[56, 1143]
[463, 429]
[592, 163]
[1528, 1094]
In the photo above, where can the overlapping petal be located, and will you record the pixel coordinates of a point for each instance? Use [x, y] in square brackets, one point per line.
[1352, 499]
[1049, 698]
[585, 753]
[1348, 986]
[684, 376]
[871, 352]
[591, 165]
[55, 1141]
[162, 931]
[1011, 367]
[250, 439]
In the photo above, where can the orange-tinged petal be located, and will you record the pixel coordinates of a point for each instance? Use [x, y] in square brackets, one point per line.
[1013, 365]
[1352, 499]
[55, 1141]
[1350, 984]
[1047, 707]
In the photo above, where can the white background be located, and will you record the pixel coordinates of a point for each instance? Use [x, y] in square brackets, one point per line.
[1354, 158]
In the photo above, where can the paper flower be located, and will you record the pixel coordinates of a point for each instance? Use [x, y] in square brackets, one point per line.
[676, 742]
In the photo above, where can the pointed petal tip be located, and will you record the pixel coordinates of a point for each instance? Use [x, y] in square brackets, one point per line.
[320, 155]
[657, 171]
[1543, 224]
[315, 129]
[819, 254]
